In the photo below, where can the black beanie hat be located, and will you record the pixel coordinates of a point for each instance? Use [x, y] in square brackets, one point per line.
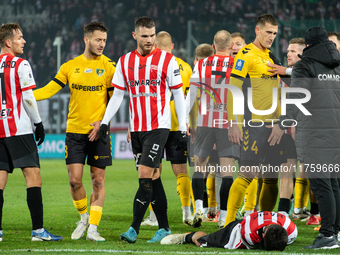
[315, 35]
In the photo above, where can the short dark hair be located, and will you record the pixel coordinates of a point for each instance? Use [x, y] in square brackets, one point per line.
[237, 34]
[94, 26]
[300, 41]
[6, 31]
[333, 33]
[266, 18]
[144, 22]
[204, 50]
[275, 238]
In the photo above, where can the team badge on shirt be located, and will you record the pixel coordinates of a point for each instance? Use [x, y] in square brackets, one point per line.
[100, 72]
[239, 64]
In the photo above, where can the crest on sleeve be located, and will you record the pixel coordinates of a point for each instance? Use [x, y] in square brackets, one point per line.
[239, 64]
[100, 72]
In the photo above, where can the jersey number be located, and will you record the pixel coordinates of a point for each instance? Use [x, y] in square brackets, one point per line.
[3, 88]
[219, 73]
[254, 147]
[66, 152]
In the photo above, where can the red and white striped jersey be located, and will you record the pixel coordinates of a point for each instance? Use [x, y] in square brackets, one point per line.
[148, 80]
[251, 225]
[212, 73]
[15, 77]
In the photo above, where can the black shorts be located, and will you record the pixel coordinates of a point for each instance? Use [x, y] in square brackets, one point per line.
[173, 155]
[190, 148]
[78, 147]
[213, 158]
[290, 147]
[147, 147]
[206, 138]
[18, 152]
[256, 150]
[219, 238]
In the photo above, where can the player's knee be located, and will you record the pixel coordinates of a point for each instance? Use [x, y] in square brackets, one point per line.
[75, 182]
[98, 182]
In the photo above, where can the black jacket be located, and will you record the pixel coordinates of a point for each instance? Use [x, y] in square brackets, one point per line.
[319, 72]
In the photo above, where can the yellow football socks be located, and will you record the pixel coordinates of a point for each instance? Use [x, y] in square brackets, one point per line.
[236, 195]
[211, 191]
[250, 198]
[95, 215]
[306, 195]
[81, 205]
[184, 189]
[301, 192]
[268, 194]
[192, 197]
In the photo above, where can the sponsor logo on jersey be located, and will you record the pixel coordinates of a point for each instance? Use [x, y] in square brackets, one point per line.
[88, 70]
[77, 70]
[266, 76]
[87, 88]
[154, 67]
[239, 64]
[176, 72]
[4, 113]
[145, 83]
[245, 51]
[145, 95]
[100, 72]
[329, 77]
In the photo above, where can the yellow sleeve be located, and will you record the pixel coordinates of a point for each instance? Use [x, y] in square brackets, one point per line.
[53, 87]
[112, 69]
[186, 74]
[47, 91]
[242, 65]
[194, 111]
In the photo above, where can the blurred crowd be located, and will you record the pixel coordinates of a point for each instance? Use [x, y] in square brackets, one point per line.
[66, 18]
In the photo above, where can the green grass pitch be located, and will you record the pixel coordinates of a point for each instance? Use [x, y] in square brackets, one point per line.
[60, 216]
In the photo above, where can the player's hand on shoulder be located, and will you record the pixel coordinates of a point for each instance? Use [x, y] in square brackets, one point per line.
[276, 69]
[39, 133]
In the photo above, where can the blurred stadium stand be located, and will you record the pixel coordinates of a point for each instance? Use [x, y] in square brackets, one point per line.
[43, 20]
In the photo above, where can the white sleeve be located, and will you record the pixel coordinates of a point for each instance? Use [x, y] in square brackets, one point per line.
[179, 106]
[289, 70]
[30, 105]
[26, 75]
[174, 75]
[118, 77]
[113, 105]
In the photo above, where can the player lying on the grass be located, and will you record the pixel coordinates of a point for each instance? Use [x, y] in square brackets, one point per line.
[259, 230]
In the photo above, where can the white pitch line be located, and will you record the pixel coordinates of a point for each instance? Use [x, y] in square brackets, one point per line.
[152, 252]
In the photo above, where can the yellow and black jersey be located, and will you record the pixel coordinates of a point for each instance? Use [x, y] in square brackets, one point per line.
[89, 81]
[250, 70]
[186, 72]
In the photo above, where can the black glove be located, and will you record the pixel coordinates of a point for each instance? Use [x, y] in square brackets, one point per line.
[102, 133]
[181, 141]
[275, 60]
[39, 132]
